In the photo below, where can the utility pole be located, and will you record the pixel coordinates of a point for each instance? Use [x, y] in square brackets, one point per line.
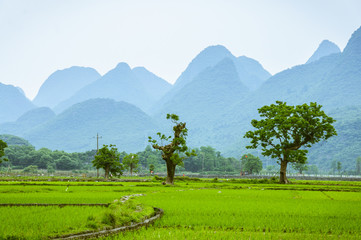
[98, 151]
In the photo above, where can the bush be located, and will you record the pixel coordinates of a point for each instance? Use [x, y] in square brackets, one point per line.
[31, 169]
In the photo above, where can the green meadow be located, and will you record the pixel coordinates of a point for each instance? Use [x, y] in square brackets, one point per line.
[206, 209]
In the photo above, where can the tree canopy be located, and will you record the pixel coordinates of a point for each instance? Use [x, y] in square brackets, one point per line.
[130, 162]
[251, 163]
[3, 145]
[285, 131]
[108, 159]
[175, 151]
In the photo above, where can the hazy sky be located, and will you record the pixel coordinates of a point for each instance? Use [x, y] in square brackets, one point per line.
[39, 37]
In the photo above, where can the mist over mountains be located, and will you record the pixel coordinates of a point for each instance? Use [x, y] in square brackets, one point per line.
[217, 95]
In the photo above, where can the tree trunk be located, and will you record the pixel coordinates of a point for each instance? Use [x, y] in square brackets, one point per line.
[283, 178]
[106, 169]
[170, 172]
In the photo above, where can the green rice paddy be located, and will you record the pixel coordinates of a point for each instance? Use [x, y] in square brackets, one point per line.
[192, 209]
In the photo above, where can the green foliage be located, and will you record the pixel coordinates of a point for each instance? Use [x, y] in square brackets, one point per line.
[22, 155]
[31, 169]
[3, 145]
[339, 167]
[65, 163]
[285, 131]
[208, 159]
[299, 167]
[130, 162]
[358, 166]
[151, 168]
[312, 169]
[108, 159]
[175, 151]
[251, 163]
[14, 140]
[50, 168]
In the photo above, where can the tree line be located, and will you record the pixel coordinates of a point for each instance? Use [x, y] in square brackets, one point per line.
[207, 160]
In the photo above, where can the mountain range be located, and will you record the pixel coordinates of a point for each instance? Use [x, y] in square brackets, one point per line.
[218, 95]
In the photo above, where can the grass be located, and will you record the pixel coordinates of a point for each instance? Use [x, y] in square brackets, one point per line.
[204, 209]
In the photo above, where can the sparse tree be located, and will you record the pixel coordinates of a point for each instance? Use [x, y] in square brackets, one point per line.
[358, 166]
[312, 169]
[299, 167]
[339, 167]
[333, 166]
[284, 130]
[176, 150]
[31, 169]
[130, 162]
[108, 159]
[3, 145]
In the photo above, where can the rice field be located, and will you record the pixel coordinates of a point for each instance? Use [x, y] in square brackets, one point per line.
[194, 210]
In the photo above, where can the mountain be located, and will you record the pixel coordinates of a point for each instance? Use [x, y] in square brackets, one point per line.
[333, 81]
[12, 140]
[204, 99]
[62, 84]
[346, 146]
[27, 121]
[154, 86]
[249, 71]
[13, 103]
[325, 48]
[74, 129]
[120, 84]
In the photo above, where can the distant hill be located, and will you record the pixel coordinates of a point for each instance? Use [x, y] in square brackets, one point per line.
[14, 140]
[154, 86]
[325, 48]
[27, 121]
[13, 103]
[121, 84]
[73, 130]
[333, 81]
[62, 84]
[202, 101]
[346, 146]
[249, 71]
[217, 95]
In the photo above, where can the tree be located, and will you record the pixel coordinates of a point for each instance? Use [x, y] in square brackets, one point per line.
[299, 167]
[130, 162]
[358, 166]
[171, 152]
[284, 130]
[251, 164]
[333, 166]
[31, 169]
[312, 169]
[65, 163]
[339, 167]
[3, 145]
[151, 168]
[108, 159]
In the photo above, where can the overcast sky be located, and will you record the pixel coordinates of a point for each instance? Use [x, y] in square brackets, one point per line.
[39, 37]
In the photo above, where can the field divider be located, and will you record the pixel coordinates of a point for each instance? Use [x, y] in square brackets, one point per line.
[133, 226]
[53, 204]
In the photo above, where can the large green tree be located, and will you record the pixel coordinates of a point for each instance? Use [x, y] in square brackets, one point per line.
[3, 145]
[108, 159]
[130, 162]
[251, 163]
[175, 151]
[285, 131]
